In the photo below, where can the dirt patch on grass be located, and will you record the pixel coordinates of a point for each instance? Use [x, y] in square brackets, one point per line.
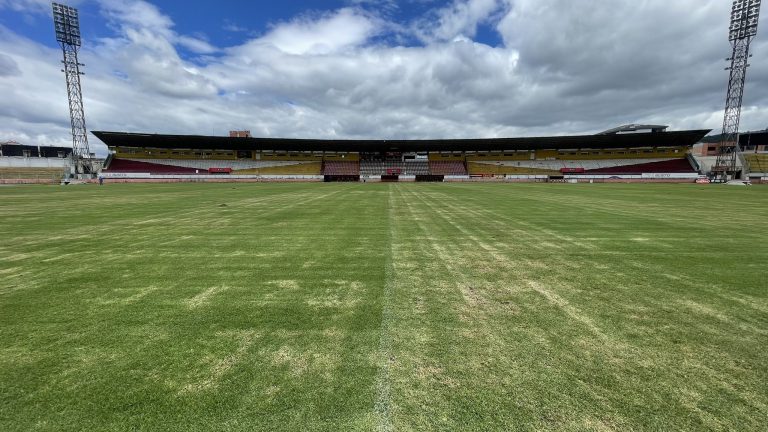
[592, 424]
[296, 362]
[220, 367]
[333, 301]
[204, 297]
[704, 310]
[140, 294]
[18, 257]
[10, 270]
[285, 284]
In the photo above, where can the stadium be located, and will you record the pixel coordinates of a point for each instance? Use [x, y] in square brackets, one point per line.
[613, 281]
[632, 152]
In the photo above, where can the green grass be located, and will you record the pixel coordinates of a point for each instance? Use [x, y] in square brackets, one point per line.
[383, 307]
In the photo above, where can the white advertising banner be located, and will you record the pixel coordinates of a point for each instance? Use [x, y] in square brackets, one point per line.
[125, 175]
[670, 176]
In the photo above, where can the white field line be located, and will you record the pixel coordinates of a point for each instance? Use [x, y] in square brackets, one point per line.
[383, 380]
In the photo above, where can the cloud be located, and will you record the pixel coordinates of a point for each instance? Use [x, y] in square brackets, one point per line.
[341, 30]
[8, 66]
[342, 74]
[460, 19]
[382, 6]
[33, 6]
[629, 60]
[138, 14]
[27, 113]
[145, 49]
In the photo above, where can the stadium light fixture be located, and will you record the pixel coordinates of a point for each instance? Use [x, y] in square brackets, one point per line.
[745, 15]
[67, 24]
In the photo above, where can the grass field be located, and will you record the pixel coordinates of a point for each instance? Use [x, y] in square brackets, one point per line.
[383, 307]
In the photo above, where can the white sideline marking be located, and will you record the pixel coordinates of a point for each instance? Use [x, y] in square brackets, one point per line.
[383, 385]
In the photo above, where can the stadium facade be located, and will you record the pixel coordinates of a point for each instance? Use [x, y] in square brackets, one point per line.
[21, 163]
[632, 152]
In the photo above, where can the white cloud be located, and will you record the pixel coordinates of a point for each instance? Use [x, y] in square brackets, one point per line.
[34, 6]
[460, 19]
[8, 66]
[145, 51]
[344, 29]
[138, 14]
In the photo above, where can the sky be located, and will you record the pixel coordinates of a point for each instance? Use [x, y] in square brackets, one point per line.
[375, 69]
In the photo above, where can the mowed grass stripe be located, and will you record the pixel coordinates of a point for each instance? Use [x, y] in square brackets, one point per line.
[585, 287]
[279, 317]
[381, 306]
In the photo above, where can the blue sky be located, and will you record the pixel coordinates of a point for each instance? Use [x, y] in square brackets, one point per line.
[376, 69]
[230, 22]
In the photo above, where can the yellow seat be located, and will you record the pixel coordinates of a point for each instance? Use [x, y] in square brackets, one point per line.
[311, 168]
[758, 162]
[476, 168]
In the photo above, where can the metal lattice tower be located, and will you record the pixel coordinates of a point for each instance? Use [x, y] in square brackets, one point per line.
[744, 18]
[67, 25]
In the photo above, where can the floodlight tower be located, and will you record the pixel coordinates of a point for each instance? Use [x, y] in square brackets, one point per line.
[67, 25]
[744, 17]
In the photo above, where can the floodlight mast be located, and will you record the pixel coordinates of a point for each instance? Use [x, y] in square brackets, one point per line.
[67, 25]
[744, 18]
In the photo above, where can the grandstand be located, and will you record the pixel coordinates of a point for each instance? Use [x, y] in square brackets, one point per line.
[758, 163]
[21, 163]
[755, 145]
[632, 152]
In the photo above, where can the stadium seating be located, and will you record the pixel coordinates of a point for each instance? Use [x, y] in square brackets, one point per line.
[416, 167]
[476, 168]
[337, 168]
[395, 167]
[201, 167]
[758, 162]
[447, 168]
[308, 168]
[598, 166]
[31, 173]
[372, 167]
[118, 165]
[345, 165]
[204, 164]
[667, 166]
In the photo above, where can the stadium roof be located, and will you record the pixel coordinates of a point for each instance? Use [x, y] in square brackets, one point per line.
[14, 149]
[634, 128]
[755, 138]
[194, 142]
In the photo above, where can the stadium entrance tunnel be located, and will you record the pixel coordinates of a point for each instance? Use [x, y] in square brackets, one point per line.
[430, 178]
[341, 178]
[390, 178]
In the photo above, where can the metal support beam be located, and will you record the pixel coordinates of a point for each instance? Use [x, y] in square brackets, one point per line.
[744, 18]
[67, 25]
